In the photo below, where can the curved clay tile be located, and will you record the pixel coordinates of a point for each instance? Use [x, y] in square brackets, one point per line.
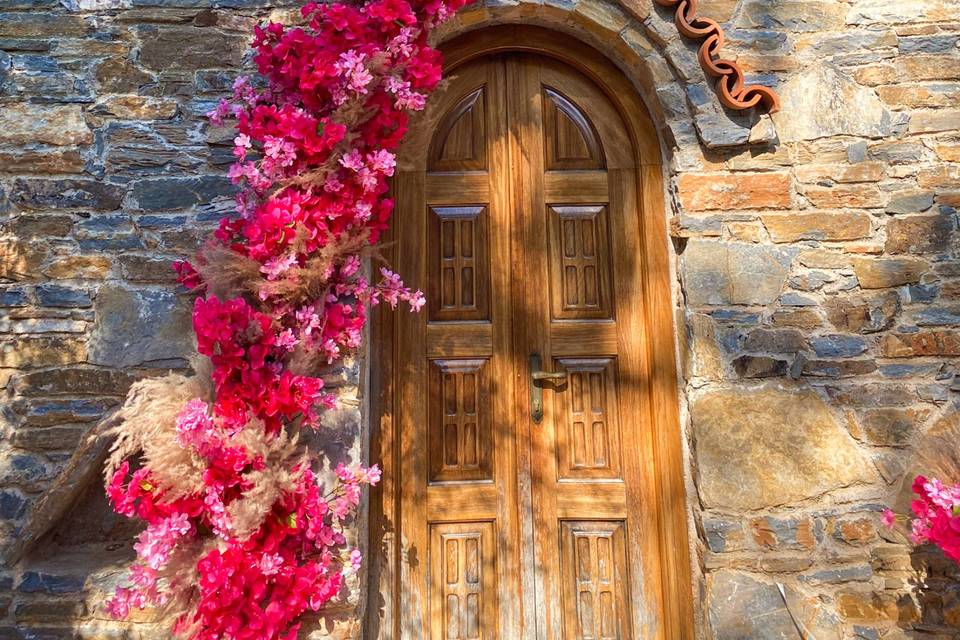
[730, 84]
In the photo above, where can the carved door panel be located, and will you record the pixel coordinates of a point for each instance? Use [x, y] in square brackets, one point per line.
[518, 519]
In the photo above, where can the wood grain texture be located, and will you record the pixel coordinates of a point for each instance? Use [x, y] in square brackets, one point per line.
[583, 510]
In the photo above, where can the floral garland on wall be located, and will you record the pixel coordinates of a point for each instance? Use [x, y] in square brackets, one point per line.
[936, 516]
[241, 539]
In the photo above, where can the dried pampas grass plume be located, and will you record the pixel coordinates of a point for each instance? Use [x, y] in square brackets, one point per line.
[284, 463]
[226, 273]
[147, 425]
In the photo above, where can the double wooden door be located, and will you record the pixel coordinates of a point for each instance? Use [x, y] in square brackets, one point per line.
[520, 389]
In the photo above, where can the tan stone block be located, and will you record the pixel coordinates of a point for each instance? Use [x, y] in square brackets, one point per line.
[743, 463]
[855, 196]
[822, 225]
[925, 233]
[639, 9]
[31, 352]
[719, 10]
[923, 343]
[705, 360]
[752, 231]
[832, 105]
[42, 24]
[822, 151]
[130, 107]
[21, 260]
[929, 66]
[860, 172]
[774, 158]
[750, 62]
[52, 161]
[944, 176]
[914, 68]
[879, 273]
[705, 192]
[917, 96]
[786, 564]
[949, 199]
[867, 607]
[874, 74]
[25, 123]
[934, 121]
[600, 17]
[857, 532]
[948, 151]
[863, 313]
[94, 267]
[824, 259]
[800, 317]
[890, 426]
[865, 247]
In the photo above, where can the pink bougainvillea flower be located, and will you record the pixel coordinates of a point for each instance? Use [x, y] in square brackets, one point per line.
[314, 148]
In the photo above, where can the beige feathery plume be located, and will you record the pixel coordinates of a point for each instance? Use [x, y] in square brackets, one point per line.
[147, 426]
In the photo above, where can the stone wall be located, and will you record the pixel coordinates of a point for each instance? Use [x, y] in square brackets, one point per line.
[817, 281]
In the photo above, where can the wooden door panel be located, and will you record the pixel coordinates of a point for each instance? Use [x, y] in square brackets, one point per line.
[588, 429]
[459, 441]
[461, 140]
[579, 261]
[595, 585]
[570, 141]
[459, 267]
[464, 576]
[518, 230]
[584, 494]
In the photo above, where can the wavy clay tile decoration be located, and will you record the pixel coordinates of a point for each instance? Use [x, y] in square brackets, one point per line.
[730, 83]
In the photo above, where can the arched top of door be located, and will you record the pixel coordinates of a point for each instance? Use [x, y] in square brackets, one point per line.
[622, 95]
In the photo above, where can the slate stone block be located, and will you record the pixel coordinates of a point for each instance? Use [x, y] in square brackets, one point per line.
[137, 326]
[179, 193]
[12, 505]
[43, 193]
[55, 295]
[838, 346]
[50, 583]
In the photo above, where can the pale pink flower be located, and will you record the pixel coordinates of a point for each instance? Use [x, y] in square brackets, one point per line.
[156, 543]
[270, 564]
[277, 266]
[352, 160]
[888, 518]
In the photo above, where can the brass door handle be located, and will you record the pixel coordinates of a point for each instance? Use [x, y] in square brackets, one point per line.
[548, 375]
[537, 375]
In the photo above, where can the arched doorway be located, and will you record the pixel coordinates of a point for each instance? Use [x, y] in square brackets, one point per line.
[528, 422]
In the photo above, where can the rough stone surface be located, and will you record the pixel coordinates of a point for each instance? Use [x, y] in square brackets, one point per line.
[746, 464]
[734, 273]
[743, 607]
[833, 104]
[54, 124]
[139, 327]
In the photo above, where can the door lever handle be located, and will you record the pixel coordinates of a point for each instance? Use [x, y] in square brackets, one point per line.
[537, 375]
[548, 375]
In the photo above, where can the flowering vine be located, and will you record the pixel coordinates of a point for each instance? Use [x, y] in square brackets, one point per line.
[936, 516]
[241, 537]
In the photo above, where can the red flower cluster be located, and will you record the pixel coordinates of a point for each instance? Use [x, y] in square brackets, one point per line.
[314, 151]
[937, 516]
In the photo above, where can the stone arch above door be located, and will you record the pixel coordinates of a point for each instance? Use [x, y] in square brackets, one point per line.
[454, 118]
[643, 41]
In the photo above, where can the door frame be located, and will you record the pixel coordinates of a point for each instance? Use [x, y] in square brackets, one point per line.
[671, 586]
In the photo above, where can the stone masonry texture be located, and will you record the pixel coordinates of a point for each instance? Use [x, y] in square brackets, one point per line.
[817, 285]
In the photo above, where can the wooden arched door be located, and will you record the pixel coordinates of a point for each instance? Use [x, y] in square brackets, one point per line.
[520, 412]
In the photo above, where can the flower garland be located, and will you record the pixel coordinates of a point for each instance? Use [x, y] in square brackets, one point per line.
[240, 537]
[936, 516]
